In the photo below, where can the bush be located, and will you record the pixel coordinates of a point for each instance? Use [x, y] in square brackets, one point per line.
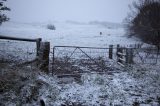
[51, 27]
[144, 21]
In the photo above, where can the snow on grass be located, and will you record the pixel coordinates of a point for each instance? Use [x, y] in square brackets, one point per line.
[120, 88]
[17, 51]
[95, 90]
[68, 34]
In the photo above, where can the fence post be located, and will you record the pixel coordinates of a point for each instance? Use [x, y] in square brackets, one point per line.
[118, 46]
[110, 51]
[120, 56]
[38, 45]
[43, 56]
[53, 60]
[129, 56]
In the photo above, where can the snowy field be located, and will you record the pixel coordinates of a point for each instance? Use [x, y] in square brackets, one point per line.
[66, 34]
[69, 34]
[123, 87]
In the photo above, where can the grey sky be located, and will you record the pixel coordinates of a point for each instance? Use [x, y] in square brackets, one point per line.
[61, 10]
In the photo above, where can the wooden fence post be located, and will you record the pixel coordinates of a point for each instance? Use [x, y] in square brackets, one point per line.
[38, 45]
[129, 56]
[43, 57]
[53, 61]
[110, 51]
[120, 55]
[118, 46]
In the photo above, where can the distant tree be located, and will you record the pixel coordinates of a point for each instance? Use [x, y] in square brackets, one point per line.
[3, 8]
[144, 21]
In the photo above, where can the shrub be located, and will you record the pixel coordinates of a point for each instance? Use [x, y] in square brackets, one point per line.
[51, 27]
[144, 21]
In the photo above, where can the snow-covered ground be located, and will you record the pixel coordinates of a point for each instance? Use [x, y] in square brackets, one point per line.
[120, 89]
[26, 86]
[66, 34]
[123, 87]
[69, 34]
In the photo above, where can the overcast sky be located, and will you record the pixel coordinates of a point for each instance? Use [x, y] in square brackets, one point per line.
[61, 10]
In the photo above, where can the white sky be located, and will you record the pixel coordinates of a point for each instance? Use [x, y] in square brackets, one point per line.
[61, 10]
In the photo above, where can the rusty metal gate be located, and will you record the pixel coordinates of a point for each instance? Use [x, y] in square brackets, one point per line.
[73, 60]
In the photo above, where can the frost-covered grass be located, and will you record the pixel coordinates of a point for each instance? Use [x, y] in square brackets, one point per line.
[16, 51]
[120, 88]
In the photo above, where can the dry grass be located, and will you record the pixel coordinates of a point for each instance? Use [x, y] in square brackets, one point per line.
[17, 84]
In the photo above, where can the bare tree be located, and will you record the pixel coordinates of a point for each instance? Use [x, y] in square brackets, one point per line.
[144, 21]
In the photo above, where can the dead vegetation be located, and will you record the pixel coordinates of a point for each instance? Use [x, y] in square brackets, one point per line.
[18, 84]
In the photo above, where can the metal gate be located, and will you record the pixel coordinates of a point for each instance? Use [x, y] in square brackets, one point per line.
[73, 60]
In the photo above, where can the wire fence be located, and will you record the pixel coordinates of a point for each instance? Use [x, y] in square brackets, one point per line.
[146, 55]
[16, 51]
[100, 59]
[77, 58]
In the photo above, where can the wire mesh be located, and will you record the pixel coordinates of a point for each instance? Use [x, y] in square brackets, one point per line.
[146, 56]
[17, 51]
